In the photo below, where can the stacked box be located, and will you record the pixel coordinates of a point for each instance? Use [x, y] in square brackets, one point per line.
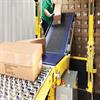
[97, 76]
[79, 45]
[97, 45]
[84, 44]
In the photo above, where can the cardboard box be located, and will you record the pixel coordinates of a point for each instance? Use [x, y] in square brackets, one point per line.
[77, 5]
[78, 40]
[78, 22]
[97, 30]
[97, 23]
[71, 1]
[84, 23]
[78, 14]
[65, 2]
[77, 1]
[21, 60]
[57, 16]
[84, 1]
[97, 34]
[77, 30]
[97, 50]
[36, 40]
[97, 63]
[97, 12]
[71, 6]
[84, 49]
[84, 30]
[97, 40]
[84, 5]
[97, 83]
[76, 49]
[55, 1]
[65, 8]
[84, 13]
[85, 40]
[98, 4]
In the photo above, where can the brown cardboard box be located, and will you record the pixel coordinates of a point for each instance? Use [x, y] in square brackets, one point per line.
[84, 40]
[76, 49]
[83, 1]
[77, 5]
[97, 30]
[78, 40]
[98, 78]
[78, 14]
[84, 30]
[55, 1]
[71, 6]
[97, 84]
[97, 50]
[97, 63]
[21, 60]
[84, 50]
[78, 23]
[84, 34]
[65, 8]
[65, 2]
[36, 40]
[77, 34]
[84, 5]
[84, 13]
[77, 30]
[97, 40]
[85, 23]
[97, 23]
[97, 12]
[71, 1]
[98, 4]
[57, 16]
[97, 34]
[77, 1]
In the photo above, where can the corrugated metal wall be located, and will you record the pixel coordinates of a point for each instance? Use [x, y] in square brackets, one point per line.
[16, 20]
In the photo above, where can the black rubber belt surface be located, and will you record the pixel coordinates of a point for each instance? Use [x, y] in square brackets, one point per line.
[58, 34]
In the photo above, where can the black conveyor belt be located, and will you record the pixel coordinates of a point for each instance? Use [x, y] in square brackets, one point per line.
[56, 40]
[58, 35]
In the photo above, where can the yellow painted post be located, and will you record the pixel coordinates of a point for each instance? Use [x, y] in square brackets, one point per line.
[37, 19]
[90, 52]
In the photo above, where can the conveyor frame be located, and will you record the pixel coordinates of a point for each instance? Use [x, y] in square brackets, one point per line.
[53, 77]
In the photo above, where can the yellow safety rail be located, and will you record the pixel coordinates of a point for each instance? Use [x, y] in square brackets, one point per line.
[90, 53]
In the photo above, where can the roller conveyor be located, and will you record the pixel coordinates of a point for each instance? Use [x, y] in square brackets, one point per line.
[57, 40]
[17, 89]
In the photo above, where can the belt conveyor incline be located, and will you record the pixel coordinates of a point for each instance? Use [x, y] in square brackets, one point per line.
[57, 40]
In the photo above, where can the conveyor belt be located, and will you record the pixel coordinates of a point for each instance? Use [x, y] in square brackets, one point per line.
[17, 89]
[58, 35]
[57, 40]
